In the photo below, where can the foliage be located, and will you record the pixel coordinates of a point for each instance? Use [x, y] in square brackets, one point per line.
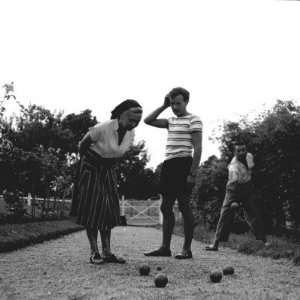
[135, 180]
[35, 152]
[273, 138]
[78, 124]
[15, 236]
[210, 185]
[38, 155]
[14, 202]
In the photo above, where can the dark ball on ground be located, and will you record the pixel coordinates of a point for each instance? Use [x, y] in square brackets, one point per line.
[158, 268]
[228, 271]
[215, 276]
[161, 280]
[144, 270]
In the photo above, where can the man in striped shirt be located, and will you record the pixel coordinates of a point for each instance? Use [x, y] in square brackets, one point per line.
[182, 158]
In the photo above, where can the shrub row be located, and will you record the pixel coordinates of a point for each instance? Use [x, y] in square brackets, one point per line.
[15, 236]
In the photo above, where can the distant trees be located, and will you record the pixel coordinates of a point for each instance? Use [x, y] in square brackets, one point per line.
[39, 154]
[38, 149]
[210, 186]
[135, 180]
[274, 139]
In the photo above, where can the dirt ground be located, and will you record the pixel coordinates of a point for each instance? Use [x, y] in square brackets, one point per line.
[59, 269]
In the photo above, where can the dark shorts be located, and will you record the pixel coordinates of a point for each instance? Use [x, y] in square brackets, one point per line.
[173, 176]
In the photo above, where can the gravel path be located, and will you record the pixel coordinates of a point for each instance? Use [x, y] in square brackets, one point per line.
[59, 269]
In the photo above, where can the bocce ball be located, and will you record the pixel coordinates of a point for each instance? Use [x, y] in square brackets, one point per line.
[228, 271]
[160, 280]
[215, 276]
[144, 270]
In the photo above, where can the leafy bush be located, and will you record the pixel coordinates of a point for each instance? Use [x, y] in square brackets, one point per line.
[14, 202]
[274, 140]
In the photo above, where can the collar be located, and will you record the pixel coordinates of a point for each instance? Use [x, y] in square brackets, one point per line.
[185, 116]
[235, 161]
[115, 124]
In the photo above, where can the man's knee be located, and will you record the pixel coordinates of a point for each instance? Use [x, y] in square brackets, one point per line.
[166, 208]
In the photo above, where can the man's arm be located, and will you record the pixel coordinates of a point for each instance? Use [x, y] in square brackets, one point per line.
[250, 162]
[152, 118]
[197, 143]
[232, 178]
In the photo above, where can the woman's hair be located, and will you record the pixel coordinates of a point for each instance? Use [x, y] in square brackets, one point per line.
[123, 106]
[180, 91]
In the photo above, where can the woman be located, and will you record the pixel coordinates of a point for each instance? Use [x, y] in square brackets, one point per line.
[95, 196]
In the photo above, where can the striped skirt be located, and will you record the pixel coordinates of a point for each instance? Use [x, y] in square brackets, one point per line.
[95, 200]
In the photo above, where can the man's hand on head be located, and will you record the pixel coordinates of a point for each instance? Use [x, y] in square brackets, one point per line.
[167, 101]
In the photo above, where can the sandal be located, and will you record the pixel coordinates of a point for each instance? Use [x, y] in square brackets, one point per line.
[96, 259]
[114, 259]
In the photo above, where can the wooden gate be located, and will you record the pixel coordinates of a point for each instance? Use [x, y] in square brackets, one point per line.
[143, 212]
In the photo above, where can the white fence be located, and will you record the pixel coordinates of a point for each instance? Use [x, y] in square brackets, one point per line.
[144, 212]
[137, 212]
[30, 204]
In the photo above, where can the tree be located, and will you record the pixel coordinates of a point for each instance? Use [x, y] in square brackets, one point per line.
[135, 180]
[273, 138]
[35, 152]
[78, 125]
[40, 146]
[210, 185]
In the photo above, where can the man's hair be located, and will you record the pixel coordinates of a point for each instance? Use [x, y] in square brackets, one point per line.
[241, 143]
[238, 143]
[180, 91]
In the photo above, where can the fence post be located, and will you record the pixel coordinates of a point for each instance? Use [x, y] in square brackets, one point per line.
[159, 211]
[29, 199]
[123, 205]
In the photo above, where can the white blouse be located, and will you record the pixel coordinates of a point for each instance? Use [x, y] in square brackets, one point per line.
[106, 139]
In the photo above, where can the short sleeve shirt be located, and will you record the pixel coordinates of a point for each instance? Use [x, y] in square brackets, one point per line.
[180, 129]
[106, 140]
[237, 171]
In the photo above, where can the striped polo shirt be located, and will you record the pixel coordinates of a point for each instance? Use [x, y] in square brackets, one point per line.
[180, 129]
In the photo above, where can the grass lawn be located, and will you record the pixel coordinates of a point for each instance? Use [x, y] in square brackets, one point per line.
[246, 243]
[14, 236]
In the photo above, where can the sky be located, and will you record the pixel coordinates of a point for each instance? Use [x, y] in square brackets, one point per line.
[235, 57]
